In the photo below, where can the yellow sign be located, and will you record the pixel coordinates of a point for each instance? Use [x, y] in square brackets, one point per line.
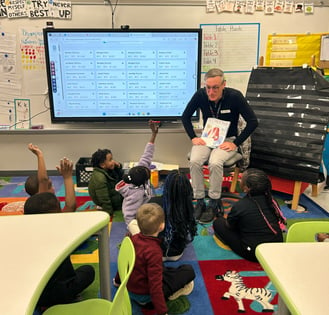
[288, 50]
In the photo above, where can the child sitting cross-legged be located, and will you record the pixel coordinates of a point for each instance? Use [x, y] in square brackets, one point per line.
[150, 281]
[66, 283]
[106, 174]
[255, 219]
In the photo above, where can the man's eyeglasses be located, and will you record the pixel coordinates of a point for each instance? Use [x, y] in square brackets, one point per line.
[215, 88]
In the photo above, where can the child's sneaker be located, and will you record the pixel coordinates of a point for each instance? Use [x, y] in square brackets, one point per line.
[172, 258]
[186, 290]
[115, 283]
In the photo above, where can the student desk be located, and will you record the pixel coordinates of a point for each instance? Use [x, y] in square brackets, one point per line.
[300, 273]
[33, 246]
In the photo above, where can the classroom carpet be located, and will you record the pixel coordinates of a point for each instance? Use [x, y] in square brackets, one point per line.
[213, 262]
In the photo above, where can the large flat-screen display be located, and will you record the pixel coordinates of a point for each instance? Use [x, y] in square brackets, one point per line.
[114, 74]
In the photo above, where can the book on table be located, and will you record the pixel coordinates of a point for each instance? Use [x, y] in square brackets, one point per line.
[215, 131]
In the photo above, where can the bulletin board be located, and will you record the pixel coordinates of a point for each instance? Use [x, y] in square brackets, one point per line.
[287, 50]
[232, 47]
[291, 104]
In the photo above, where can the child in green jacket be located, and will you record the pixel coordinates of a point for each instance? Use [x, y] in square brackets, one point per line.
[106, 174]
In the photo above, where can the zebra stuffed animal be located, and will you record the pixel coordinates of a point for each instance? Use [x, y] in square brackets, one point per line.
[239, 291]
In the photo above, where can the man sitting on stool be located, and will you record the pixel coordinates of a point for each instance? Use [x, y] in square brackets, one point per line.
[217, 101]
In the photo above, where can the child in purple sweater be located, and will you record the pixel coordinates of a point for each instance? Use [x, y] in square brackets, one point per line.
[135, 186]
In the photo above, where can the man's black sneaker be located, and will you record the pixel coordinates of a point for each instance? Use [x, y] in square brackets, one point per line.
[220, 207]
[199, 209]
[213, 209]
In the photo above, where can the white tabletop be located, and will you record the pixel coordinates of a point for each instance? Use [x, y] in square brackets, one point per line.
[32, 247]
[300, 273]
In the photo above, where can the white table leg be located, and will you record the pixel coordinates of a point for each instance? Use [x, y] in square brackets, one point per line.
[282, 308]
[104, 263]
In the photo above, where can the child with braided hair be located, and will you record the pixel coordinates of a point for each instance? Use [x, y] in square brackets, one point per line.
[254, 219]
[177, 204]
[181, 226]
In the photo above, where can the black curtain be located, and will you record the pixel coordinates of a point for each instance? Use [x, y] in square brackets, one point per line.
[292, 107]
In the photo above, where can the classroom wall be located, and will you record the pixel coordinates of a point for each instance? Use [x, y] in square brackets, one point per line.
[172, 145]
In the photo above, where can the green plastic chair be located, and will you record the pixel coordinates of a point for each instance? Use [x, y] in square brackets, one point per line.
[121, 303]
[305, 231]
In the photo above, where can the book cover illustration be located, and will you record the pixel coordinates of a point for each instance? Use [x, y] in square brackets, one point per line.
[215, 131]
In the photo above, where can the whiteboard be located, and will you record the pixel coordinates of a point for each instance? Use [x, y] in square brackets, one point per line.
[232, 47]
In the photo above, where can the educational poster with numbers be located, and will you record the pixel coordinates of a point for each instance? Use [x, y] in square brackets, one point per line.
[32, 49]
[232, 47]
[33, 60]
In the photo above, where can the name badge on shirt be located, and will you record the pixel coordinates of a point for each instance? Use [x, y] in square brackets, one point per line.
[225, 111]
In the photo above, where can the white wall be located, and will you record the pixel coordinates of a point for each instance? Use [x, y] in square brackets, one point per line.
[172, 143]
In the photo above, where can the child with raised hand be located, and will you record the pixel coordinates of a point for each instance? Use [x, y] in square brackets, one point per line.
[39, 182]
[65, 168]
[135, 186]
[254, 219]
[42, 183]
[106, 174]
[150, 281]
[66, 283]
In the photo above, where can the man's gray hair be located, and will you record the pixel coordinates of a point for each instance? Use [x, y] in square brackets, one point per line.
[214, 73]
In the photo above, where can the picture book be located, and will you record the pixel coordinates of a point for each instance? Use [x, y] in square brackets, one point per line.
[214, 133]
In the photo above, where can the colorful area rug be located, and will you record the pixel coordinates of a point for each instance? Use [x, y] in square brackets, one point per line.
[221, 275]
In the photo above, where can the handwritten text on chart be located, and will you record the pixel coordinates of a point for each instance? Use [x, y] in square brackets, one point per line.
[233, 47]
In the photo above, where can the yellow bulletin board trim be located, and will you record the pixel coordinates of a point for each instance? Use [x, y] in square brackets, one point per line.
[288, 50]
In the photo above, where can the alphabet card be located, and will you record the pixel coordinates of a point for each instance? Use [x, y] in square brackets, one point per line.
[22, 114]
[309, 8]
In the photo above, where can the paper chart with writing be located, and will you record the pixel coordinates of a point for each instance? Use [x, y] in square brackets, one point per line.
[6, 113]
[231, 47]
[7, 52]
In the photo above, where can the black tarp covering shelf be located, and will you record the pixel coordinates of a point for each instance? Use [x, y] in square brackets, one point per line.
[292, 107]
